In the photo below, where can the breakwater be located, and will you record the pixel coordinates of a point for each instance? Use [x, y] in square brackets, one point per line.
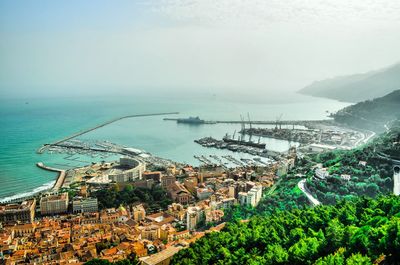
[60, 178]
[43, 148]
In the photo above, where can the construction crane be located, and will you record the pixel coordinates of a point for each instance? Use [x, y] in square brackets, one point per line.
[278, 121]
[243, 127]
[251, 131]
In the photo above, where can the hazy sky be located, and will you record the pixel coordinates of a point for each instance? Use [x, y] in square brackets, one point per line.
[209, 46]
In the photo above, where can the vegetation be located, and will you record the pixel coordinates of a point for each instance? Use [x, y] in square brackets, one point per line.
[372, 179]
[371, 114]
[155, 198]
[281, 230]
[358, 231]
[285, 196]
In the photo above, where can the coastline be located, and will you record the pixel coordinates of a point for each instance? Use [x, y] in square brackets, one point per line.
[61, 176]
[52, 185]
[171, 141]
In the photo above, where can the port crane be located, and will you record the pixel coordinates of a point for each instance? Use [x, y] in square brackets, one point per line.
[250, 130]
[243, 128]
[278, 121]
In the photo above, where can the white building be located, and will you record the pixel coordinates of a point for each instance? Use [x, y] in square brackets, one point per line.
[130, 170]
[194, 216]
[321, 173]
[252, 197]
[396, 180]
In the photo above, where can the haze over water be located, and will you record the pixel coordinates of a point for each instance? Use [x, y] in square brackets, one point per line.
[27, 124]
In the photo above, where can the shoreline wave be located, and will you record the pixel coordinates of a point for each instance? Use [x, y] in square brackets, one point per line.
[45, 186]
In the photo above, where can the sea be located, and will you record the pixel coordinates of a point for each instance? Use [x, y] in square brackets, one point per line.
[27, 124]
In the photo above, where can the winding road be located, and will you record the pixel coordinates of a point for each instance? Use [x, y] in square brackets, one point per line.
[303, 188]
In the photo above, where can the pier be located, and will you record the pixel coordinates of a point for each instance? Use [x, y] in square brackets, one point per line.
[46, 146]
[266, 122]
[60, 178]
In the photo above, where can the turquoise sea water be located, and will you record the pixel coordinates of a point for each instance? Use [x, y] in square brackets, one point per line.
[27, 124]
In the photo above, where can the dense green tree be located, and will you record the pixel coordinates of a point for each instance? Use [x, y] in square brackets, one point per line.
[352, 232]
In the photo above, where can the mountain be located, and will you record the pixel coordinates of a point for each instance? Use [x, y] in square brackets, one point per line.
[373, 115]
[358, 87]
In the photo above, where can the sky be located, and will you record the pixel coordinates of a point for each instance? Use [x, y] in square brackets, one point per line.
[253, 47]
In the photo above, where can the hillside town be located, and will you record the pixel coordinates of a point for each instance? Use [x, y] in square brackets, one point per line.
[69, 225]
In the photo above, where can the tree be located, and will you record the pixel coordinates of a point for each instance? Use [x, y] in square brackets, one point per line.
[337, 258]
[358, 259]
[276, 254]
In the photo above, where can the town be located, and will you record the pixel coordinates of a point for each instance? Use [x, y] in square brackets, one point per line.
[71, 223]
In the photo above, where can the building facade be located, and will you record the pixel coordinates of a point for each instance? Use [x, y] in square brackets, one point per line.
[54, 204]
[85, 205]
[130, 169]
[24, 212]
[194, 216]
[138, 213]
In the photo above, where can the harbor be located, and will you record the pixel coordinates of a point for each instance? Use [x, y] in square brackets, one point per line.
[61, 175]
[46, 146]
[306, 123]
[237, 146]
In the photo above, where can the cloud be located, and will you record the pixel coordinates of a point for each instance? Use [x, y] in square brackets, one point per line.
[224, 46]
[261, 13]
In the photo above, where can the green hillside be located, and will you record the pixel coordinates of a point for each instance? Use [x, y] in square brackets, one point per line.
[360, 231]
[359, 87]
[282, 229]
[373, 115]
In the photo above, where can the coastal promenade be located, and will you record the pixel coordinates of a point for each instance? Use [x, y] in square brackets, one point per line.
[46, 146]
[60, 178]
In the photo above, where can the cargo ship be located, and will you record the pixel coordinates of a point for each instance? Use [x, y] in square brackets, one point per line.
[194, 120]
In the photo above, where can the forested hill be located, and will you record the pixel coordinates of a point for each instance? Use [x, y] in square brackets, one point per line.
[371, 114]
[361, 231]
[359, 87]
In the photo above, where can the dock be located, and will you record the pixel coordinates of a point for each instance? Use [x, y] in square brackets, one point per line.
[266, 122]
[60, 178]
[46, 146]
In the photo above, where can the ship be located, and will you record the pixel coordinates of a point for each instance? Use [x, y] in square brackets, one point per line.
[230, 140]
[194, 120]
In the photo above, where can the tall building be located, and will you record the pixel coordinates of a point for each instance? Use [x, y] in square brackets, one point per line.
[84, 205]
[138, 213]
[24, 212]
[54, 204]
[167, 181]
[232, 191]
[252, 197]
[396, 180]
[194, 216]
